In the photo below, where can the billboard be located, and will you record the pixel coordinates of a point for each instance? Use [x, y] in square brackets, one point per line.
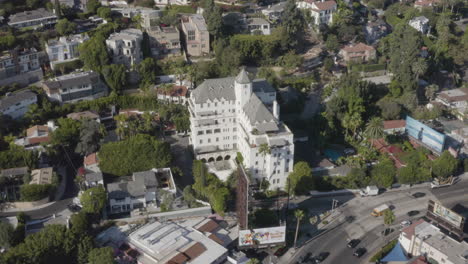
[425, 134]
[262, 236]
[448, 215]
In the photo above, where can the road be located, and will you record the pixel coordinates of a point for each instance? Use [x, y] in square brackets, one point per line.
[368, 228]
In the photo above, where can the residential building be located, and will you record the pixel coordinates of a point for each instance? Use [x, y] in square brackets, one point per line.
[42, 176]
[274, 12]
[237, 114]
[375, 30]
[256, 24]
[75, 87]
[195, 240]
[17, 104]
[125, 47]
[176, 94]
[93, 179]
[394, 126]
[20, 66]
[91, 162]
[13, 177]
[141, 192]
[36, 135]
[148, 15]
[321, 11]
[75, 4]
[456, 100]
[359, 52]
[34, 19]
[64, 49]
[172, 2]
[421, 24]
[164, 41]
[196, 36]
[420, 4]
[423, 239]
[78, 116]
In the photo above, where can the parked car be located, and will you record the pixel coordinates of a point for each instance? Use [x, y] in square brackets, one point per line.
[280, 251]
[387, 231]
[353, 243]
[412, 213]
[359, 252]
[74, 208]
[418, 195]
[321, 257]
[405, 223]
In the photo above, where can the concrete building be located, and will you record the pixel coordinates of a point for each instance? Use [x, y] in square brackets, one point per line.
[164, 41]
[422, 238]
[359, 52]
[42, 176]
[237, 114]
[420, 23]
[20, 66]
[17, 104]
[148, 15]
[125, 47]
[34, 19]
[75, 87]
[195, 240]
[321, 11]
[456, 100]
[257, 24]
[141, 192]
[64, 49]
[274, 12]
[196, 36]
[176, 94]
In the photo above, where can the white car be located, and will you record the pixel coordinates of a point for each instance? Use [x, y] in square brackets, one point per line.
[405, 223]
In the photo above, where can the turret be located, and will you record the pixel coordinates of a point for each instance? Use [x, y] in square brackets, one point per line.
[243, 88]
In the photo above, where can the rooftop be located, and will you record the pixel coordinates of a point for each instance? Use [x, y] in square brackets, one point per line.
[455, 95]
[68, 39]
[13, 172]
[91, 159]
[392, 124]
[42, 176]
[83, 115]
[421, 19]
[40, 13]
[257, 21]
[326, 5]
[14, 98]
[70, 80]
[174, 90]
[126, 34]
[198, 21]
[359, 47]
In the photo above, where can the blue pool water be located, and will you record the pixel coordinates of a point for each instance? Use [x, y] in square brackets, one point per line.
[332, 154]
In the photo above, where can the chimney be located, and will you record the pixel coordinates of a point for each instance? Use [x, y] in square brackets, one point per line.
[276, 109]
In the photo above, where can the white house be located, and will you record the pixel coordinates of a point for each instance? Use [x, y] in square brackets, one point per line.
[125, 47]
[17, 104]
[141, 192]
[64, 49]
[420, 23]
[321, 11]
[20, 66]
[237, 114]
[275, 11]
[257, 24]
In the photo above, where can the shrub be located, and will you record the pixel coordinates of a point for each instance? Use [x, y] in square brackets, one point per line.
[384, 251]
[34, 192]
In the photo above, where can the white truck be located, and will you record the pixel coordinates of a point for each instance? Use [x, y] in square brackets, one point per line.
[438, 184]
[369, 191]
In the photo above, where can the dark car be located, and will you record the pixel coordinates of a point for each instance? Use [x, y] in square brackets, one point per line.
[74, 208]
[321, 257]
[353, 243]
[359, 252]
[387, 231]
[412, 213]
[418, 195]
[307, 257]
[280, 252]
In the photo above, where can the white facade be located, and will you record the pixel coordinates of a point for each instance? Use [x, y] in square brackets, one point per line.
[172, 2]
[125, 47]
[258, 24]
[421, 24]
[34, 19]
[422, 238]
[17, 104]
[148, 15]
[64, 49]
[321, 11]
[231, 115]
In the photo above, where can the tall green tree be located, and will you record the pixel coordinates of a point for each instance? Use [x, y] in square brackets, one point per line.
[93, 53]
[147, 70]
[6, 234]
[92, 6]
[65, 27]
[374, 129]
[103, 255]
[67, 133]
[214, 19]
[300, 180]
[293, 23]
[445, 165]
[383, 174]
[91, 135]
[94, 199]
[389, 217]
[57, 8]
[115, 76]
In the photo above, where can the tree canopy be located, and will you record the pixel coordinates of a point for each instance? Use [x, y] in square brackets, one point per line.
[94, 200]
[115, 76]
[65, 27]
[445, 165]
[300, 179]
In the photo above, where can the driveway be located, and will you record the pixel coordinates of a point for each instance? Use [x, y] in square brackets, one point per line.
[182, 158]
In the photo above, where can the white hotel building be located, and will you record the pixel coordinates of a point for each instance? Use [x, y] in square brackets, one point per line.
[236, 114]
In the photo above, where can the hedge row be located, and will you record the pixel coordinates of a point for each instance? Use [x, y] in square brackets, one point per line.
[368, 67]
[384, 251]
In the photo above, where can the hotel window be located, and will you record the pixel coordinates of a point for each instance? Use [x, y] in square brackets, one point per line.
[201, 141]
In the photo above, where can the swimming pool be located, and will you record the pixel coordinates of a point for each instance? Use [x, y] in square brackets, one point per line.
[332, 154]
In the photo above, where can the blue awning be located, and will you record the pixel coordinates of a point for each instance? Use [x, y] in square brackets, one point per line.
[397, 254]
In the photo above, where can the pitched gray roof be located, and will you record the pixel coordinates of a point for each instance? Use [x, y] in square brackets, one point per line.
[215, 89]
[242, 77]
[15, 98]
[31, 15]
[13, 172]
[73, 79]
[93, 177]
[257, 112]
[142, 182]
[261, 85]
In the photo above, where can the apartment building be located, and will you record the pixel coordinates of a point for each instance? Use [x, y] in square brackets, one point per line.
[196, 36]
[164, 41]
[359, 52]
[237, 114]
[17, 104]
[20, 66]
[34, 19]
[125, 47]
[321, 11]
[75, 87]
[64, 49]
[141, 192]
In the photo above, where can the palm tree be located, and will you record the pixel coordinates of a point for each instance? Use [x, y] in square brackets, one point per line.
[299, 214]
[374, 129]
[264, 150]
[121, 129]
[430, 91]
[419, 67]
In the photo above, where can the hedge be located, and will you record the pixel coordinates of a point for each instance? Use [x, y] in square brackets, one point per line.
[67, 67]
[35, 192]
[384, 251]
[368, 67]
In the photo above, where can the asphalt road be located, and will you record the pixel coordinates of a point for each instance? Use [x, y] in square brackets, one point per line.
[368, 228]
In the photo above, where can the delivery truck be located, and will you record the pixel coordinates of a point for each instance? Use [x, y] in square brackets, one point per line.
[369, 191]
[380, 210]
